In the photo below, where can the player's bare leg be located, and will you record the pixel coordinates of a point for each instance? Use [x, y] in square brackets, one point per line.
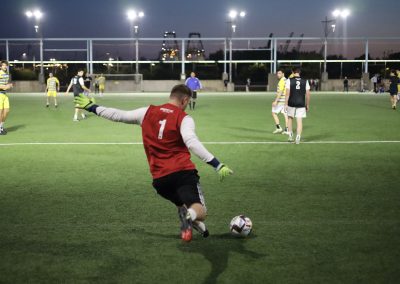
[76, 114]
[286, 124]
[82, 113]
[299, 129]
[55, 102]
[194, 103]
[278, 126]
[290, 128]
[393, 101]
[192, 218]
[3, 117]
[47, 101]
[198, 214]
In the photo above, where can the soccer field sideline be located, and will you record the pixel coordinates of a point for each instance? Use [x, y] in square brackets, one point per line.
[201, 93]
[208, 143]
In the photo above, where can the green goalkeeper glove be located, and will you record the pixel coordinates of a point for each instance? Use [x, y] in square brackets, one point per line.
[84, 102]
[223, 171]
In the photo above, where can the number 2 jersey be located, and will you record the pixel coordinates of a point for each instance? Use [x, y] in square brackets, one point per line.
[168, 135]
[298, 88]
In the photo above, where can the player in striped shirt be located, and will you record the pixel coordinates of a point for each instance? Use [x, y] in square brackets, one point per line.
[278, 105]
[53, 86]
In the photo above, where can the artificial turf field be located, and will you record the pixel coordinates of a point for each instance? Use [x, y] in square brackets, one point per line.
[78, 211]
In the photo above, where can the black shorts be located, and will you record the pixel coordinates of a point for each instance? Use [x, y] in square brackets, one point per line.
[180, 188]
[194, 95]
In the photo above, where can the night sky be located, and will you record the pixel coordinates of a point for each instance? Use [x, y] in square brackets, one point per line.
[107, 18]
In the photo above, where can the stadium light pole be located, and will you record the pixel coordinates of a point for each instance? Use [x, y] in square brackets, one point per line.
[330, 26]
[233, 15]
[133, 16]
[37, 15]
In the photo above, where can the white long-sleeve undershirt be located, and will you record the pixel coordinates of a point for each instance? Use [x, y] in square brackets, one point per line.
[136, 116]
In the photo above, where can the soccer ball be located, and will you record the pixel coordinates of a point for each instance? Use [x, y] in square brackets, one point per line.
[241, 226]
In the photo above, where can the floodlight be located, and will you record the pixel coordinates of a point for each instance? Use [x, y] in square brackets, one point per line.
[232, 14]
[131, 14]
[29, 14]
[38, 14]
[345, 13]
[242, 14]
[336, 13]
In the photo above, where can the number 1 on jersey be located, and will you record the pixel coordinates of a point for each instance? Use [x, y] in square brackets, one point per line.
[162, 127]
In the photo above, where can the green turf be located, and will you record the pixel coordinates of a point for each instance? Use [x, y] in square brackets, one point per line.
[322, 213]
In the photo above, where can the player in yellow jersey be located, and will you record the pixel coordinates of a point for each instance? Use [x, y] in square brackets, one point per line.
[278, 105]
[398, 86]
[102, 84]
[53, 86]
[4, 102]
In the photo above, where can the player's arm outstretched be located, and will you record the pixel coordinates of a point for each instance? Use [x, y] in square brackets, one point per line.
[287, 95]
[196, 147]
[69, 87]
[57, 85]
[308, 95]
[136, 117]
[131, 117]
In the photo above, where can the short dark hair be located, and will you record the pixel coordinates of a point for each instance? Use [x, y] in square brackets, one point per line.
[280, 70]
[297, 70]
[4, 62]
[180, 91]
[393, 71]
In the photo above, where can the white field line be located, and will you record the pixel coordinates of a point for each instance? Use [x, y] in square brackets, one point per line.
[208, 143]
[202, 93]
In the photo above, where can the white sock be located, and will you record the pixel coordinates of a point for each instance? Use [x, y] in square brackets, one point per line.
[1, 124]
[83, 115]
[201, 225]
[193, 214]
[75, 117]
[298, 137]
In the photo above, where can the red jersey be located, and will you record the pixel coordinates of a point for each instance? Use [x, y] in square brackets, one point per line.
[166, 152]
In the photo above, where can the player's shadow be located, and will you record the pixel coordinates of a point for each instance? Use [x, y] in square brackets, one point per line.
[216, 249]
[15, 127]
[246, 129]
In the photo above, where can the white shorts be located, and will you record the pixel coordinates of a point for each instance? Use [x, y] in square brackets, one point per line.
[298, 112]
[278, 109]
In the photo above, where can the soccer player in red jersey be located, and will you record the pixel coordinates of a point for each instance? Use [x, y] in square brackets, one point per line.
[168, 135]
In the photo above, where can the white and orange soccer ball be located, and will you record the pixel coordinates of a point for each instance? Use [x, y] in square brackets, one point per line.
[241, 226]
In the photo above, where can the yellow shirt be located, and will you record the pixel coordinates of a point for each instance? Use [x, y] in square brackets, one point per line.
[52, 84]
[291, 76]
[4, 79]
[101, 80]
[281, 90]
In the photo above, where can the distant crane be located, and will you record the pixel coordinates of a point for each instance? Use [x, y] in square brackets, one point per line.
[169, 51]
[269, 41]
[299, 43]
[284, 49]
[195, 48]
